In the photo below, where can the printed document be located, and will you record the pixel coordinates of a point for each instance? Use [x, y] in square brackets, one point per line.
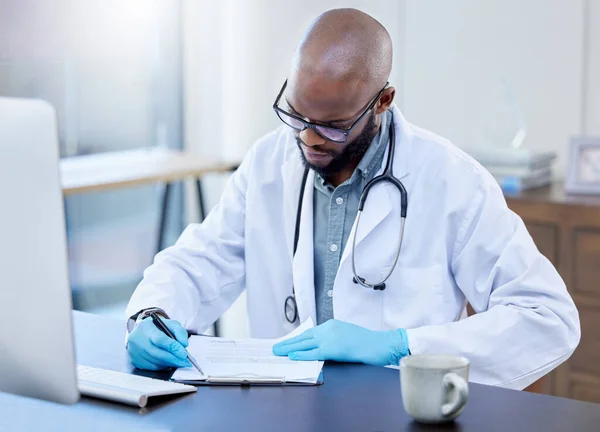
[229, 360]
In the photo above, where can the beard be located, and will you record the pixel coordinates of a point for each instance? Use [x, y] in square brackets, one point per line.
[351, 153]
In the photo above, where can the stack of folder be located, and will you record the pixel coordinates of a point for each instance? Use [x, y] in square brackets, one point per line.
[516, 170]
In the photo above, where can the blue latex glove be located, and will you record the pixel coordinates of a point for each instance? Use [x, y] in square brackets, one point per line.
[345, 342]
[151, 349]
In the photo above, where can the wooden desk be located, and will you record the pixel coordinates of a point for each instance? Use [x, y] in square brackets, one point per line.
[114, 170]
[566, 229]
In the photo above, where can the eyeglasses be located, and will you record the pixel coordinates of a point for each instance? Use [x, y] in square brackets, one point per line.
[327, 132]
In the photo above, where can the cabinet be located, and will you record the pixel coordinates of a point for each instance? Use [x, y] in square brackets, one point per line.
[566, 229]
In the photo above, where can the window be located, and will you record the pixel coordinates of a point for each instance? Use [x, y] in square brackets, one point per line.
[112, 70]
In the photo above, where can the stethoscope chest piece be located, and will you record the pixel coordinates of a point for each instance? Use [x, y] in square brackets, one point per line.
[291, 309]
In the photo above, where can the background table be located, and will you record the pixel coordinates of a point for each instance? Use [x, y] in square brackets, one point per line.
[114, 170]
[354, 397]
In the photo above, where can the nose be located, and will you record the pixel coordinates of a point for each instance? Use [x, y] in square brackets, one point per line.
[310, 137]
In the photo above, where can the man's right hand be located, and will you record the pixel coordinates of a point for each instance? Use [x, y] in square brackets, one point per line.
[151, 349]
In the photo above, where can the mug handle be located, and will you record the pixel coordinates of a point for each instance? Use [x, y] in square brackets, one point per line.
[458, 386]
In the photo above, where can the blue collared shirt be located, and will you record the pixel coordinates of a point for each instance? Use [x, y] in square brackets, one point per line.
[334, 212]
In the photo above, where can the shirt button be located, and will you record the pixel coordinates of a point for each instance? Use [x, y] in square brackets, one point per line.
[339, 200]
[330, 293]
[333, 248]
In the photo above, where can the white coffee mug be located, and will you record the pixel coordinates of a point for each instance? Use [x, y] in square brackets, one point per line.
[434, 387]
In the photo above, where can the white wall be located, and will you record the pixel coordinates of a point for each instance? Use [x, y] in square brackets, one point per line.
[458, 53]
[592, 88]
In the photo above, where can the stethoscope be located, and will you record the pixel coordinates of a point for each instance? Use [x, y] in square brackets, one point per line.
[291, 307]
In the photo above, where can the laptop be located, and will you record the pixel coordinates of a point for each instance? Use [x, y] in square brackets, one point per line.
[37, 356]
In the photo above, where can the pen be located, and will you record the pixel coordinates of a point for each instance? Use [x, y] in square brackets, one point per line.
[162, 327]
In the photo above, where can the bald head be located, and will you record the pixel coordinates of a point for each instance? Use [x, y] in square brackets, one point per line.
[346, 45]
[337, 79]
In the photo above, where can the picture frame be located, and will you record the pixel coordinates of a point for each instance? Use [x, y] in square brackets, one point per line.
[583, 169]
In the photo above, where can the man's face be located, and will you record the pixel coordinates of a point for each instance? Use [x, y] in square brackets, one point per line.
[334, 104]
[330, 159]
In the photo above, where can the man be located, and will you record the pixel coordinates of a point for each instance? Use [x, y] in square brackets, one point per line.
[290, 237]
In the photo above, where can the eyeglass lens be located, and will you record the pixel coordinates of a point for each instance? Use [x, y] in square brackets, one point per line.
[324, 131]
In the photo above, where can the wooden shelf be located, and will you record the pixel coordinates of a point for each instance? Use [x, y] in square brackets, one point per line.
[555, 193]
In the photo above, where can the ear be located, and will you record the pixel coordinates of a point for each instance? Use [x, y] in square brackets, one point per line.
[385, 100]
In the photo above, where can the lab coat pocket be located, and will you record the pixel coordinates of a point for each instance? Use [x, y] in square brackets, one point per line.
[413, 297]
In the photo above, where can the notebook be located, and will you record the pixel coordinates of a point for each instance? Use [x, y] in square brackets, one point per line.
[247, 361]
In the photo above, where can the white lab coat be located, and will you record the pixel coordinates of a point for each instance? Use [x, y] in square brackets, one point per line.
[461, 243]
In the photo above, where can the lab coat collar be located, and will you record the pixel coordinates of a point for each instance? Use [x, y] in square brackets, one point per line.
[384, 197]
[404, 143]
[303, 262]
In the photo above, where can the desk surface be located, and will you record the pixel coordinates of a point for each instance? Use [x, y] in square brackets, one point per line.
[112, 170]
[354, 397]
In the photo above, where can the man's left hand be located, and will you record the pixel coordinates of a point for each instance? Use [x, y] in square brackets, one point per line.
[345, 342]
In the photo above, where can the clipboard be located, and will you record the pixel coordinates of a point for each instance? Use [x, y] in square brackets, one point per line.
[247, 381]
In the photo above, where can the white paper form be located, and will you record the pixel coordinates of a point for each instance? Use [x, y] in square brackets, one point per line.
[250, 359]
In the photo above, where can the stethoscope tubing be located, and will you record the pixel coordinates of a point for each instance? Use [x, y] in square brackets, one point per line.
[386, 176]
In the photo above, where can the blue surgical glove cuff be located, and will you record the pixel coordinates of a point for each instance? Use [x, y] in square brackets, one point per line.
[397, 341]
